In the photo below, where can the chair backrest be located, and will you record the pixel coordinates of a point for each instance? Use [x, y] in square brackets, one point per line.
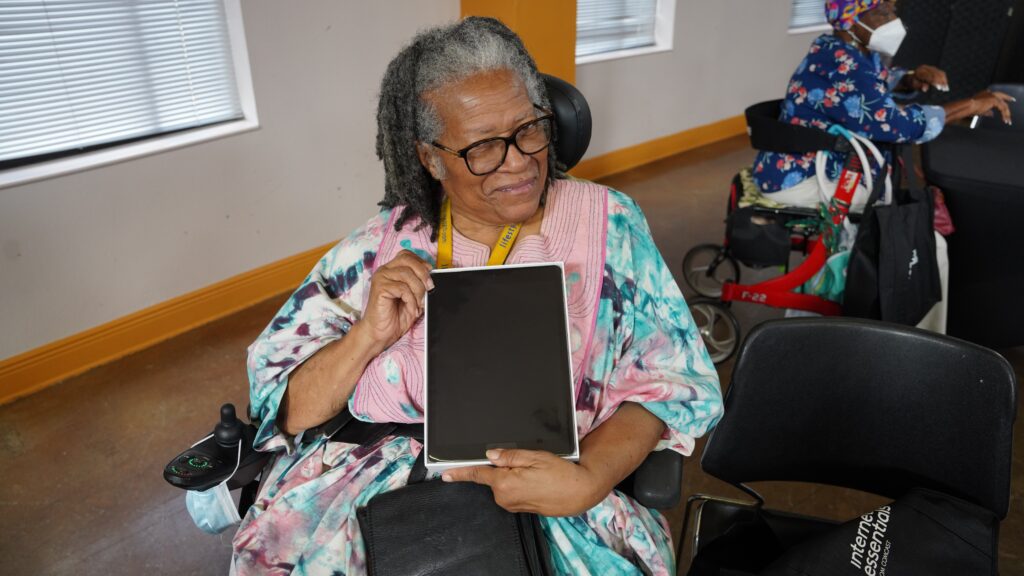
[769, 134]
[870, 406]
[572, 120]
[962, 37]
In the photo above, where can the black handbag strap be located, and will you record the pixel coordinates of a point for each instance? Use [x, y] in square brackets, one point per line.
[355, 431]
[346, 428]
[419, 469]
[879, 185]
[913, 180]
[917, 190]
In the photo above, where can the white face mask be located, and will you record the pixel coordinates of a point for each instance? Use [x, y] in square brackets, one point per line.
[213, 510]
[887, 38]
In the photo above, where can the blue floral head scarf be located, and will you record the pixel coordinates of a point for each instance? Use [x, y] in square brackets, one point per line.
[843, 13]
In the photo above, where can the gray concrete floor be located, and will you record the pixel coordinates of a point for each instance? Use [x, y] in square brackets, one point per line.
[81, 490]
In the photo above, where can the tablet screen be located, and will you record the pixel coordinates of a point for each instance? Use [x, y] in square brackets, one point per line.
[498, 363]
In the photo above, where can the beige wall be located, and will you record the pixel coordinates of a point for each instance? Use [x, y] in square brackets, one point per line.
[80, 250]
[727, 55]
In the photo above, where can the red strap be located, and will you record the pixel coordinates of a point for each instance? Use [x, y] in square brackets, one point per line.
[757, 295]
[777, 292]
[848, 187]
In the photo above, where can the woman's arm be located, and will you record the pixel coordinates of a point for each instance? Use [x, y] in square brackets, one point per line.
[319, 388]
[863, 104]
[618, 446]
[545, 484]
[983, 103]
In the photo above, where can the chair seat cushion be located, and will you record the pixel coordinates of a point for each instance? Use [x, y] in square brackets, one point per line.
[739, 539]
[923, 532]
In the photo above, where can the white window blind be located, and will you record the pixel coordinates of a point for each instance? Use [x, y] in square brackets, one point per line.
[612, 25]
[807, 14]
[78, 74]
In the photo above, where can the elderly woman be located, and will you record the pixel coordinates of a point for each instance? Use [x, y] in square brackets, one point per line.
[845, 81]
[464, 124]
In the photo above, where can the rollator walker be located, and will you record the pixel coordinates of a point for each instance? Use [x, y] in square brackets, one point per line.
[761, 235]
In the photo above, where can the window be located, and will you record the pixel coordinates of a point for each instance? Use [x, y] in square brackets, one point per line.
[80, 79]
[608, 29]
[808, 16]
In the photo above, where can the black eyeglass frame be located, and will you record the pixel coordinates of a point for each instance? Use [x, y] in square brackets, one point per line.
[508, 140]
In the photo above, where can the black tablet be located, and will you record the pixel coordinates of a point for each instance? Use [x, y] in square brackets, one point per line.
[498, 366]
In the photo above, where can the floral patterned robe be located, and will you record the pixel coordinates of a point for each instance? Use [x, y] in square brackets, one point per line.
[836, 84]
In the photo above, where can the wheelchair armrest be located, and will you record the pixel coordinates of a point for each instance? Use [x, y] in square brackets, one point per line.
[209, 463]
[658, 482]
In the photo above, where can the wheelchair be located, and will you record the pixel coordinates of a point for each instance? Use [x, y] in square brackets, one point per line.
[761, 234]
[228, 452]
[851, 403]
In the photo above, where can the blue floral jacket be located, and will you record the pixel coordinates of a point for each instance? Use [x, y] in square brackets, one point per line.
[837, 84]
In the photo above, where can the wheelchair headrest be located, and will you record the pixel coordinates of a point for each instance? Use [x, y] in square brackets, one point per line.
[572, 120]
[870, 406]
[769, 134]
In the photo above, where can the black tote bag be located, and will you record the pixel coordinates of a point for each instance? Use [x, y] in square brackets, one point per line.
[924, 532]
[893, 273]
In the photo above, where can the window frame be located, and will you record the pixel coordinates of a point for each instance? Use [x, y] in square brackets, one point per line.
[664, 33]
[157, 143]
[806, 29]
[816, 28]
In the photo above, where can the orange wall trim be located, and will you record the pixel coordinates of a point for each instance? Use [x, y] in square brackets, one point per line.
[647, 152]
[548, 30]
[36, 369]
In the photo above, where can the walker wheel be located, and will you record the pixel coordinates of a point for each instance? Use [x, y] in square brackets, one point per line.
[707, 267]
[718, 327]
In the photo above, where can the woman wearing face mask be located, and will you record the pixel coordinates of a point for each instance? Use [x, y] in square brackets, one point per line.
[845, 81]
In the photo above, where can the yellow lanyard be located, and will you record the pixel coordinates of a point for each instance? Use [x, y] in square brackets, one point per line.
[444, 240]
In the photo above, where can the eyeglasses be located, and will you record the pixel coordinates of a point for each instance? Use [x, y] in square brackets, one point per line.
[488, 155]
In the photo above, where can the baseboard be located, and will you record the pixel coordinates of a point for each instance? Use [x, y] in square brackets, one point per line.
[657, 149]
[38, 368]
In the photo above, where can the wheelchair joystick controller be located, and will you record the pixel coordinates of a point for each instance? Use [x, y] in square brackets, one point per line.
[229, 430]
[212, 460]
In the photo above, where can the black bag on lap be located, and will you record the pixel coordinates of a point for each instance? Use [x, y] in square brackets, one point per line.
[923, 532]
[893, 273]
[438, 528]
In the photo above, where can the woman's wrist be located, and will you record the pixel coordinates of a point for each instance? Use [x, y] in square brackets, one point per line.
[599, 486]
[960, 109]
[364, 347]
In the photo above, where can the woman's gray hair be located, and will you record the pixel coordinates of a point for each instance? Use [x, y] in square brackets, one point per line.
[436, 58]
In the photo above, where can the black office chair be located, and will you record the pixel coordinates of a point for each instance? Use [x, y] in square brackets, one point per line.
[655, 484]
[962, 37]
[979, 173]
[857, 404]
